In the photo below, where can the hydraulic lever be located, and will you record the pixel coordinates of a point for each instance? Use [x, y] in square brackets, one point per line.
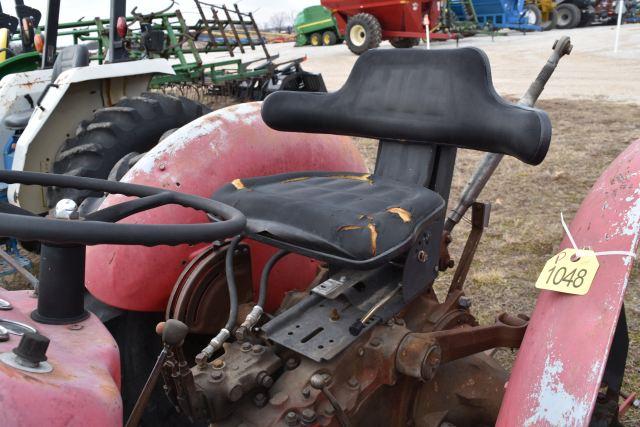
[490, 162]
[173, 334]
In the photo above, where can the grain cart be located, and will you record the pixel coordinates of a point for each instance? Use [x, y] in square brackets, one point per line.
[364, 24]
[362, 339]
[316, 26]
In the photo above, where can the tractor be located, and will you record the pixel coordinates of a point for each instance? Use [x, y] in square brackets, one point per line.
[294, 287]
[75, 117]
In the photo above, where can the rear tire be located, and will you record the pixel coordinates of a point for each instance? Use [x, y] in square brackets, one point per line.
[329, 38]
[569, 16]
[404, 42]
[315, 39]
[132, 125]
[363, 33]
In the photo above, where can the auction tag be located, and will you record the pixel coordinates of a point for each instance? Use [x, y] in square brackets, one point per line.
[567, 273]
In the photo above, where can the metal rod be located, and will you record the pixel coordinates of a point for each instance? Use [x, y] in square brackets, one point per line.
[20, 269]
[149, 386]
[490, 162]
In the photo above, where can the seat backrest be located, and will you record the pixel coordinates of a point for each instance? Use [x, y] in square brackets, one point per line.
[68, 58]
[424, 96]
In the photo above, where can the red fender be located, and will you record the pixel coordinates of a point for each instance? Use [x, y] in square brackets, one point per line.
[556, 376]
[200, 157]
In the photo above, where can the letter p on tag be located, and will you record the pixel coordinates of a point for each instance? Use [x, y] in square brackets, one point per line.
[567, 273]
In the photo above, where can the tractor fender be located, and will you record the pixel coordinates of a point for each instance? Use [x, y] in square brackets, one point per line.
[73, 97]
[561, 362]
[198, 159]
[16, 90]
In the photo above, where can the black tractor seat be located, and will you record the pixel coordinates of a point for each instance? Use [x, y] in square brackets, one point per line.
[421, 105]
[334, 216]
[17, 120]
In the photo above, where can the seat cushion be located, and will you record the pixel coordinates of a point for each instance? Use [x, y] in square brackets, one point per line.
[347, 215]
[17, 120]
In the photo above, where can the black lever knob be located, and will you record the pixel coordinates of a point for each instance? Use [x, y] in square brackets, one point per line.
[174, 332]
[32, 347]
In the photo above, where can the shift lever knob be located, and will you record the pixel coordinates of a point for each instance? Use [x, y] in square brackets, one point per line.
[174, 332]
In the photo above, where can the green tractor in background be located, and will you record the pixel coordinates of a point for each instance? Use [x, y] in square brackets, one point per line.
[316, 26]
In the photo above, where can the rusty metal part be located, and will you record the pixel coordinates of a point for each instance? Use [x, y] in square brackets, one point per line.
[243, 368]
[200, 297]
[420, 354]
[445, 262]
[480, 213]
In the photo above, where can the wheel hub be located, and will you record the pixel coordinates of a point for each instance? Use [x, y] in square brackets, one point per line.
[358, 35]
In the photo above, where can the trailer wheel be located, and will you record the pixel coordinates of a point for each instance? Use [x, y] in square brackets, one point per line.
[532, 15]
[329, 38]
[315, 39]
[569, 16]
[363, 33]
[132, 125]
[404, 42]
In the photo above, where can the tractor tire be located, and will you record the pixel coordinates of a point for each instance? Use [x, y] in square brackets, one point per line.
[329, 38]
[551, 23]
[569, 16]
[315, 39]
[363, 33]
[404, 42]
[532, 15]
[132, 125]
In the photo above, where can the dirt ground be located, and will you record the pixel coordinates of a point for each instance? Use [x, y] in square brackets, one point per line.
[525, 229]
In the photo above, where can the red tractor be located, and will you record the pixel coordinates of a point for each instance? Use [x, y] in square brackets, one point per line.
[295, 288]
[365, 23]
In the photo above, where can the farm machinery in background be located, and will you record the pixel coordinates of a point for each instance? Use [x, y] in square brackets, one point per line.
[89, 112]
[316, 26]
[364, 24]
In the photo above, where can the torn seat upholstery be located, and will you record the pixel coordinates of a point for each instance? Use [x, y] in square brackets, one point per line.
[351, 216]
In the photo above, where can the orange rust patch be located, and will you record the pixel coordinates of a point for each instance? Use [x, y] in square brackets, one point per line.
[350, 227]
[365, 177]
[404, 214]
[302, 178]
[238, 184]
[374, 237]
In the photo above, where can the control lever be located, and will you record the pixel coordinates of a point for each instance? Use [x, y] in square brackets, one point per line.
[420, 354]
[173, 334]
[490, 162]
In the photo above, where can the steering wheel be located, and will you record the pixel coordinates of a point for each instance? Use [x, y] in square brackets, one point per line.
[101, 227]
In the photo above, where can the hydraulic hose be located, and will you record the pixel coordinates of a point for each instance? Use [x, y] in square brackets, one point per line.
[264, 278]
[225, 332]
[257, 310]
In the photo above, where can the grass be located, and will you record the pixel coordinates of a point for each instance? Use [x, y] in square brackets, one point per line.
[525, 229]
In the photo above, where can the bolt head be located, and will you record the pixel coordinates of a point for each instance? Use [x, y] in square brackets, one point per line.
[257, 349]
[464, 302]
[291, 419]
[309, 416]
[245, 347]
[353, 382]
[217, 376]
[218, 364]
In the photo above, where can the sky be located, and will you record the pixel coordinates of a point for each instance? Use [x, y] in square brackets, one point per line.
[71, 10]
